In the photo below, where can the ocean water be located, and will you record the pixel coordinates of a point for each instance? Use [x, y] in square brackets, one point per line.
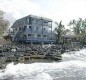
[72, 67]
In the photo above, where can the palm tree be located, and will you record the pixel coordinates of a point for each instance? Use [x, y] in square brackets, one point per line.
[59, 31]
[79, 28]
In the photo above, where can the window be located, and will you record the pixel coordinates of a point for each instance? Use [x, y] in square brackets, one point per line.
[44, 35]
[19, 28]
[44, 29]
[30, 21]
[45, 23]
[24, 35]
[39, 35]
[29, 35]
[25, 27]
[30, 28]
[36, 28]
[16, 29]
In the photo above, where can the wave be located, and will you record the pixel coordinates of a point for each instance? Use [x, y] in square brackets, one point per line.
[73, 67]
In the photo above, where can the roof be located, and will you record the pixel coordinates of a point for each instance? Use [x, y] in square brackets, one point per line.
[70, 34]
[24, 20]
[34, 16]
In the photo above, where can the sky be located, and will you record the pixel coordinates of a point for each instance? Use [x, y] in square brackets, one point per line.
[56, 10]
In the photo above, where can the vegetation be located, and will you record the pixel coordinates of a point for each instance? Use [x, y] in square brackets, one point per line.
[79, 28]
[3, 23]
[60, 30]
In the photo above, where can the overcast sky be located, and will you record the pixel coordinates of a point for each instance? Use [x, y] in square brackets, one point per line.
[57, 10]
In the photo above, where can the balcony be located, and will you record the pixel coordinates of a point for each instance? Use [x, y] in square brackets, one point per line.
[22, 39]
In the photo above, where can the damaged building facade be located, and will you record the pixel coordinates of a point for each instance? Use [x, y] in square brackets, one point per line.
[33, 29]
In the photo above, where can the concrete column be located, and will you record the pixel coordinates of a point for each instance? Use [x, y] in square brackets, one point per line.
[51, 30]
[42, 28]
[27, 31]
[51, 43]
[31, 31]
[42, 43]
[31, 43]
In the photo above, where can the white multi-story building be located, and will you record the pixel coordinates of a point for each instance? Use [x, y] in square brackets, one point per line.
[33, 29]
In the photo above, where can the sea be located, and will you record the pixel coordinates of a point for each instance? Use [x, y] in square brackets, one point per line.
[72, 67]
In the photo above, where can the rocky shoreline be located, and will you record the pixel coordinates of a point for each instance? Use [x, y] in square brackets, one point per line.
[20, 53]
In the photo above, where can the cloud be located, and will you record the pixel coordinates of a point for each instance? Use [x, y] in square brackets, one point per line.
[57, 10]
[66, 10]
[19, 8]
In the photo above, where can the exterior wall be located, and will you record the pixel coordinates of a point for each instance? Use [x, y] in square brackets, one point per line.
[37, 30]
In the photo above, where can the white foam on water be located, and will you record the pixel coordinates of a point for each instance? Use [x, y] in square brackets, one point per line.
[75, 55]
[73, 67]
[43, 76]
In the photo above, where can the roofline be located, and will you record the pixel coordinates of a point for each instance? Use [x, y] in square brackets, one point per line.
[33, 16]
